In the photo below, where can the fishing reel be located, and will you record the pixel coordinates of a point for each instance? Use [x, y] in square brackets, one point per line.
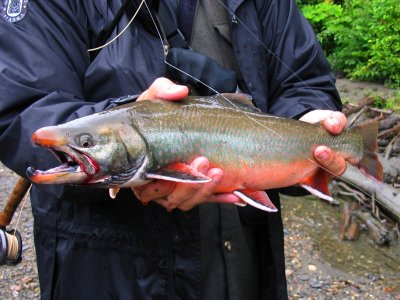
[10, 240]
[10, 247]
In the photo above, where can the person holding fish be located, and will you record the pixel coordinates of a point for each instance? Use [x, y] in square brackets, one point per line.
[167, 240]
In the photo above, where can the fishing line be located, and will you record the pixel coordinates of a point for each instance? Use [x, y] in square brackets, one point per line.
[203, 83]
[12, 242]
[214, 90]
[164, 46]
[119, 34]
[22, 207]
[267, 49]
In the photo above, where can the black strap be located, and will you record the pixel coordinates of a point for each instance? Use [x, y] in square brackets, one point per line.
[129, 7]
[103, 37]
[168, 14]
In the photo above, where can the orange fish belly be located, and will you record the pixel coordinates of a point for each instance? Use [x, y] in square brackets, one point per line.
[264, 176]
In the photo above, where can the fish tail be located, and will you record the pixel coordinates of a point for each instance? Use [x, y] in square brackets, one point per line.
[369, 163]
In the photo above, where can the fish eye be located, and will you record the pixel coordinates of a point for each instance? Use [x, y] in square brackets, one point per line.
[85, 141]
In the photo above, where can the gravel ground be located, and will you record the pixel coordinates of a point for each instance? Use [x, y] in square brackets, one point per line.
[320, 266]
[310, 276]
[20, 281]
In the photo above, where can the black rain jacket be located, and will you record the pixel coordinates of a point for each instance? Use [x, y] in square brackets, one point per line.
[91, 246]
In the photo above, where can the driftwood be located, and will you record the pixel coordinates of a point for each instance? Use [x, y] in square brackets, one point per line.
[389, 122]
[385, 195]
[378, 204]
[352, 109]
[376, 230]
[348, 227]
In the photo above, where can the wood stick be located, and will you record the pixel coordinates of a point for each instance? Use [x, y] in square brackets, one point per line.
[15, 198]
[385, 195]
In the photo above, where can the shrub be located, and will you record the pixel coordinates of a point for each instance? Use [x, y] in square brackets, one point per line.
[360, 37]
[322, 17]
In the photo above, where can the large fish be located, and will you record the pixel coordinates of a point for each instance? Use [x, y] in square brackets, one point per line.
[135, 143]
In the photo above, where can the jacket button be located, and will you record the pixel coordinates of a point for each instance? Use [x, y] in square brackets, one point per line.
[234, 20]
[228, 245]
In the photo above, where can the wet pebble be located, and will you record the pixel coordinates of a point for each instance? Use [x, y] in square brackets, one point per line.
[312, 267]
[373, 277]
[16, 288]
[289, 272]
[315, 283]
[304, 277]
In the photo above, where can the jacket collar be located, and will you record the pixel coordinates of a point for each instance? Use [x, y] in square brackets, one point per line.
[233, 4]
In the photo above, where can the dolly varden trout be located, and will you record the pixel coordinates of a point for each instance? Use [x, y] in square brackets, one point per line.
[133, 144]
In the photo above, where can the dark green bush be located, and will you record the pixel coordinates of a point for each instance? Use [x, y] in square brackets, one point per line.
[323, 18]
[360, 37]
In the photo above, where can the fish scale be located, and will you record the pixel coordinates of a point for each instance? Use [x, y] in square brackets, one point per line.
[147, 140]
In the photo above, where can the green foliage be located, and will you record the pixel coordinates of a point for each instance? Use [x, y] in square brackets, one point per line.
[380, 102]
[322, 17]
[392, 103]
[360, 37]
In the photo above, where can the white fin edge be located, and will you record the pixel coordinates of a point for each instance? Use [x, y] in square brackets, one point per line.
[113, 192]
[250, 201]
[317, 193]
[169, 178]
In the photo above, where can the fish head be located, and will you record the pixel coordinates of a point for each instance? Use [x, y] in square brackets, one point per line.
[101, 153]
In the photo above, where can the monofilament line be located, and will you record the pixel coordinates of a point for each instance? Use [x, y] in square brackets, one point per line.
[217, 92]
[119, 34]
[22, 207]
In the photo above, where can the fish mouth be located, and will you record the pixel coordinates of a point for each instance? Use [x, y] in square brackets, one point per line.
[76, 167]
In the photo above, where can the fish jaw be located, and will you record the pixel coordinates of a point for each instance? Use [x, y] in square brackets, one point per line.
[76, 168]
[57, 175]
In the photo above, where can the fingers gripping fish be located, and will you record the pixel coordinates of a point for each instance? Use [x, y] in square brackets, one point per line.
[133, 144]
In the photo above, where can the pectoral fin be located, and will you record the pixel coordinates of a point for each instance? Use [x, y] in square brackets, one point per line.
[317, 184]
[113, 192]
[258, 199]
[179, 172]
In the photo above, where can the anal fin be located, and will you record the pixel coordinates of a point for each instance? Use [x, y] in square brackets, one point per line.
[258, 199]
[317, 184]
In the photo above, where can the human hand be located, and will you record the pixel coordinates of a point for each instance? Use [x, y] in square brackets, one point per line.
[185, 196]
[170, 194]
[163, 88]
[334, 122]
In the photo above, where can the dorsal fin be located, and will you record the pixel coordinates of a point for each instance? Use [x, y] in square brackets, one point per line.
[242, 101]
[245, 99]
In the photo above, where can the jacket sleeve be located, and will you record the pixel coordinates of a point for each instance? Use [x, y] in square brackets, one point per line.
[42, 69]
[299, 76]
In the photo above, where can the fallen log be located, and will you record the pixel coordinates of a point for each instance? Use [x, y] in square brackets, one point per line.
[352, 109]
[352, 232]
[391, 168]
[389, 132]
[389, 122]
[386, 196]
[348, 226]
[378, 233]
